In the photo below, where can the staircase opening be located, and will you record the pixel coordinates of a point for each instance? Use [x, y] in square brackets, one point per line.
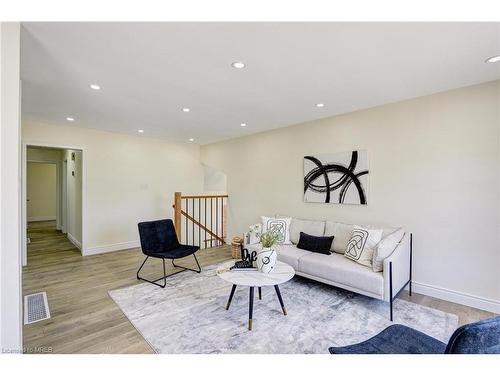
[201, 220]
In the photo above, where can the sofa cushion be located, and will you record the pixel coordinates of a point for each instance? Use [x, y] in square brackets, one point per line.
[290, 254]
[341, 232]
[340, 270]
[311, 227]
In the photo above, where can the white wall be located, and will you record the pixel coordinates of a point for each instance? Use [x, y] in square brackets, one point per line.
[41, 191]
[214, 180]
[10, 254]
[126, 179]
[434, 169]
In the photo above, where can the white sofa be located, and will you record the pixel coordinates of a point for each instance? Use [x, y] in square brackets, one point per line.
[337, 270]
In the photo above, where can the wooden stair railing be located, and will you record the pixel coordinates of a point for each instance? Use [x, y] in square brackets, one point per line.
[205, 219]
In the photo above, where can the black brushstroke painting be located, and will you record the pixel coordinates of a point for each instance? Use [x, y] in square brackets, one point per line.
[326, 178]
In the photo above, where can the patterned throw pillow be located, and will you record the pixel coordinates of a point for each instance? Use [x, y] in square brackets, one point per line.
[361, 245]
[282, 224]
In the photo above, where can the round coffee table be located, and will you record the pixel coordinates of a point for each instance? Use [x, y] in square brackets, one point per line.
[282, 273]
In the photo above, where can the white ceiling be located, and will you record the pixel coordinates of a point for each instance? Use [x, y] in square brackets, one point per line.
[150, 71]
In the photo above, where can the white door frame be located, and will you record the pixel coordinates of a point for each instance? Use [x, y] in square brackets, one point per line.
[24, 244]
[64, 197]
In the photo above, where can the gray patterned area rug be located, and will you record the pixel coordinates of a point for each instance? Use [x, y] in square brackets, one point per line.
[189, 316]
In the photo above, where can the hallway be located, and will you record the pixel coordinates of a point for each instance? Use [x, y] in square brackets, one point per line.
[84, 319]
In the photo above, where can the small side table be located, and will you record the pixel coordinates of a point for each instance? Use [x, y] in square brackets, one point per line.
[255, 279]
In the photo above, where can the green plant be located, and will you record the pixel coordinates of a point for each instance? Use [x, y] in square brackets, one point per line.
[270, 238]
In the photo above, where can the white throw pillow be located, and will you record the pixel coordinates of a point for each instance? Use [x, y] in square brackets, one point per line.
[253, 234]
[282, 224]
[385, 248]
[362, 244]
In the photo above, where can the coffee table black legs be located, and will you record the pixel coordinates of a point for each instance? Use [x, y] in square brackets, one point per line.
[250, 301]
[231, 296]
[250, 309]
[276, 287]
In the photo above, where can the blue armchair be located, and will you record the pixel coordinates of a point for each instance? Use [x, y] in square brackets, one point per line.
[159, 240]
[482, 337]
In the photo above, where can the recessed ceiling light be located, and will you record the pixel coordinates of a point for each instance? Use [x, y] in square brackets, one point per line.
[191, 139]
[140, 131]
[238, 65]
[70, 119]
[185, 109]
[319, 105]
[93, 86]
[243, 124]
[493, 59]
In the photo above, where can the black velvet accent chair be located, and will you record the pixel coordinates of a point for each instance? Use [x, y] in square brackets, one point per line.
[481, 337]
[159, 240]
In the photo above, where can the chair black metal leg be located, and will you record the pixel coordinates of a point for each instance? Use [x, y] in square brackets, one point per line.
[154, 281]
[188, 269]
[250, 309]
[260, 292]
[276, 287]
[140, 268]
[231, 296]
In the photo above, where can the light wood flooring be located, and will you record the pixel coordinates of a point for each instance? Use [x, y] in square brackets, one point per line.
[84, 319]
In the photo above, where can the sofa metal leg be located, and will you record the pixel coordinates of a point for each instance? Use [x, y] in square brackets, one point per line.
[411, 262]
[390, 289]
[391, 310]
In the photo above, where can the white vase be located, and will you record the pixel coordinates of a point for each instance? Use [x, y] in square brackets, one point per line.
[266, 259]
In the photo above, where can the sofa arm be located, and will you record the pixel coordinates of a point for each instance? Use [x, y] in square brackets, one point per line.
[249, 237]
[400, 264]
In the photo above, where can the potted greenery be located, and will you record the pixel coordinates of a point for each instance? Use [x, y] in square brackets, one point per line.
[266, 257]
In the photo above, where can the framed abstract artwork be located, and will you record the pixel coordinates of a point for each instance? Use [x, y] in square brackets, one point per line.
[336, 178]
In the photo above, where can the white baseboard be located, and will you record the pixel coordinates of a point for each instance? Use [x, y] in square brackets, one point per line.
[111, 247]
[74, 241]
[466, 299]
[41, 218]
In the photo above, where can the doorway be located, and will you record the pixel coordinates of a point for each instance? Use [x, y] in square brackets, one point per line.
[41, 194]
[52, 209]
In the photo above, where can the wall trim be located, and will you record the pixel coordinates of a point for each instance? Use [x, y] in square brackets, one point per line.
[110, 247]
[466, 299]
[41, 218]
[74, 241]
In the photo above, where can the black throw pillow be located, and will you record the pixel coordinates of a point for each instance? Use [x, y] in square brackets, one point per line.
[315, 244]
